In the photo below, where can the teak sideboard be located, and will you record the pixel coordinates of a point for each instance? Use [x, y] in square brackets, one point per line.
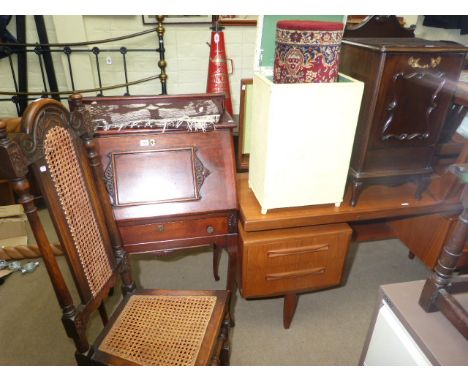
[294, 250]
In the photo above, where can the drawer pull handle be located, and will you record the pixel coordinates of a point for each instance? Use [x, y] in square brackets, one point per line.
[297, 251]
[414, 63]
[161, 228]
[210, 229]
[294, 274]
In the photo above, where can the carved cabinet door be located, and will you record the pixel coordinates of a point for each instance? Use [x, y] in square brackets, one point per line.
[414, 98]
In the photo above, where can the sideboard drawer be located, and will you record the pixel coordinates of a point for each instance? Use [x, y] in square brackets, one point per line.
[293, 260]
[171, 230]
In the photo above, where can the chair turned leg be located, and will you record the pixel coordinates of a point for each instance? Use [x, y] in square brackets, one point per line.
[225, 355]
[446, 264]
[82, 359]
[435, 295]
[223, 349]
[226, 351]
[103, 313]
[216, 259]
[356, 188]
[289, 308]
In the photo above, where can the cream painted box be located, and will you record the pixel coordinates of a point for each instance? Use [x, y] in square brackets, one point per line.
[301, 141]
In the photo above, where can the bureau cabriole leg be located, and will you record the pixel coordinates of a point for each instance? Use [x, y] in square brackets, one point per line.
[216, 258]
[289, 308]
[231, 277]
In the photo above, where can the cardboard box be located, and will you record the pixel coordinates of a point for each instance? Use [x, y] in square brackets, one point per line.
[5, 273]
[13, 225]
[11, 210]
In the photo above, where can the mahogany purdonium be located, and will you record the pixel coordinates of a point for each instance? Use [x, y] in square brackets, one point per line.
[169, 169]
[409, 83]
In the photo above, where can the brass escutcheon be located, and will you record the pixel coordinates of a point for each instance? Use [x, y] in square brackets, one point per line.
[414, 63]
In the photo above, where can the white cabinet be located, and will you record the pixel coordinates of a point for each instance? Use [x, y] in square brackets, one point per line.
[403, 334]
[391, 344]
[301, 141]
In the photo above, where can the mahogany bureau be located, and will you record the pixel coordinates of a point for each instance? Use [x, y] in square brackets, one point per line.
[169, 169]
[409, 84]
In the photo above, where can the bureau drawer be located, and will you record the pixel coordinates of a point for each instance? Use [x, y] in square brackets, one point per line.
[293, 260]
[171, 230]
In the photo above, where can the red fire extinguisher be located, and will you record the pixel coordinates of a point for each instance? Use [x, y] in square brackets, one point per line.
[218, 79]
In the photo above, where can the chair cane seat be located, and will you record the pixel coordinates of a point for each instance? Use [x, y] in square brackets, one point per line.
[158, 330]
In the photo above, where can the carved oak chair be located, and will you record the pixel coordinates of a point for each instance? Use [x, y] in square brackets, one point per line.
[149, 327]
[438, 290]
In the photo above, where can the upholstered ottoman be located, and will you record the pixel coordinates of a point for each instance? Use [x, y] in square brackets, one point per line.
[307, 51]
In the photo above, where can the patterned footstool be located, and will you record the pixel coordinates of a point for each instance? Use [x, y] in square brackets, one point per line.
[307, 51]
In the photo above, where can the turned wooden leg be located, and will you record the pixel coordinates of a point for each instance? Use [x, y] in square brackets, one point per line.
[231, 283]
[226, 351]
[357, 188]
[446, 264]
[103, 313]
[435, 295]
[216, 259]
[289, 308]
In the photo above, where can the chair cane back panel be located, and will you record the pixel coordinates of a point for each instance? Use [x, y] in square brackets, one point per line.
[67, 178]
[160, 330]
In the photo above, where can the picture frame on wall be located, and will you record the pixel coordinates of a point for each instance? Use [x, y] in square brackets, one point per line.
[238, 20]
[178, 19]
[226, 20]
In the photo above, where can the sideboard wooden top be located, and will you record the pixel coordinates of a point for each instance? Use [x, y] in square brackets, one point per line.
[376, 202]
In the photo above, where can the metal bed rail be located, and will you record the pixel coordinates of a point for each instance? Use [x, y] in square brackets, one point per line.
[43, 52]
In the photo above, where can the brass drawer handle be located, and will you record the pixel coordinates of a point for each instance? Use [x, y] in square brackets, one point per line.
[294, 274]
[161, 227]
[414, 63]
[210, 229]
[297, 250]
